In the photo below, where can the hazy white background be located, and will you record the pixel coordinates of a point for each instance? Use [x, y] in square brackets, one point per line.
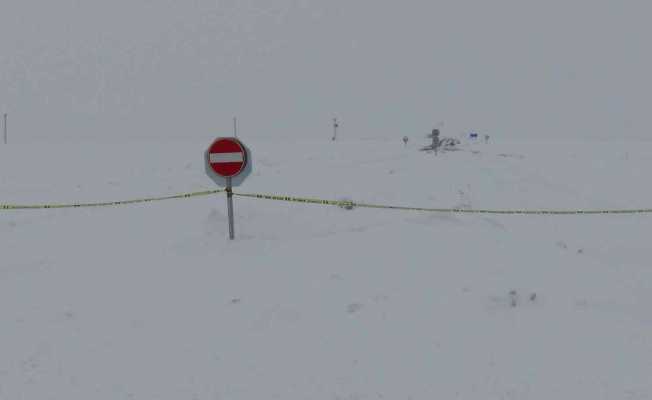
[514, 69]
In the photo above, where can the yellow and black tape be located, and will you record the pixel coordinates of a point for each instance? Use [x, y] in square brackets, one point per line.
[339, 203]
[107, 203]
[295, 199]
[351, 204]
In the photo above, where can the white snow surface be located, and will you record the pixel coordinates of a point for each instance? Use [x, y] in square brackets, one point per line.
[152, 301]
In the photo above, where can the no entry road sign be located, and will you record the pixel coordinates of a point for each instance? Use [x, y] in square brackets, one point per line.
[227, 157]
[228, 163]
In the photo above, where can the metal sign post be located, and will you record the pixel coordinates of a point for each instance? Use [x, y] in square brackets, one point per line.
[229, 205]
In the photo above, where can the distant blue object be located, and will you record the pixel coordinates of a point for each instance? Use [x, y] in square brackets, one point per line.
[473, 135]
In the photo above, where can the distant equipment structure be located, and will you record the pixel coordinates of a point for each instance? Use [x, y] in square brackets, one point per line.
[434, 135]
[441, 144]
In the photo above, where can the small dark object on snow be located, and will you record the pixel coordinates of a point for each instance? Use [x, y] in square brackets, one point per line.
[353, 308]
[533, 296]
[512, 297]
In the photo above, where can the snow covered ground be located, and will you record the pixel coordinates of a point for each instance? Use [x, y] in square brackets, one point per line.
[152, 301]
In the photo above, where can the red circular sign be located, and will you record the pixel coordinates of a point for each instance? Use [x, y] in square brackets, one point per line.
[227, 157]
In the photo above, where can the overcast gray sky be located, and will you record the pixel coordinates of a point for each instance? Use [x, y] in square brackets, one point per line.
[565, 68]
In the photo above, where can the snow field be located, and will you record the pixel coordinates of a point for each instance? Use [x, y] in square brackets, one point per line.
[152, 301]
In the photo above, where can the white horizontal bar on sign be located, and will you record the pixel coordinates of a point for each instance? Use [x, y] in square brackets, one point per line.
[214, 158]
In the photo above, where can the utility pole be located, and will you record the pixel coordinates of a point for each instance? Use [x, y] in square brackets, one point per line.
[335, 126]
[235, 127]
[5, 127]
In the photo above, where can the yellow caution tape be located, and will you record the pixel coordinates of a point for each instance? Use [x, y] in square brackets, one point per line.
[107, 203]
[340, 203]
[351, 204]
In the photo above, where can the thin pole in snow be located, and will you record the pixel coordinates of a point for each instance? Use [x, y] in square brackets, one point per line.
[5, 127]
[335, 126]
[229, 205]
[235, 127]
